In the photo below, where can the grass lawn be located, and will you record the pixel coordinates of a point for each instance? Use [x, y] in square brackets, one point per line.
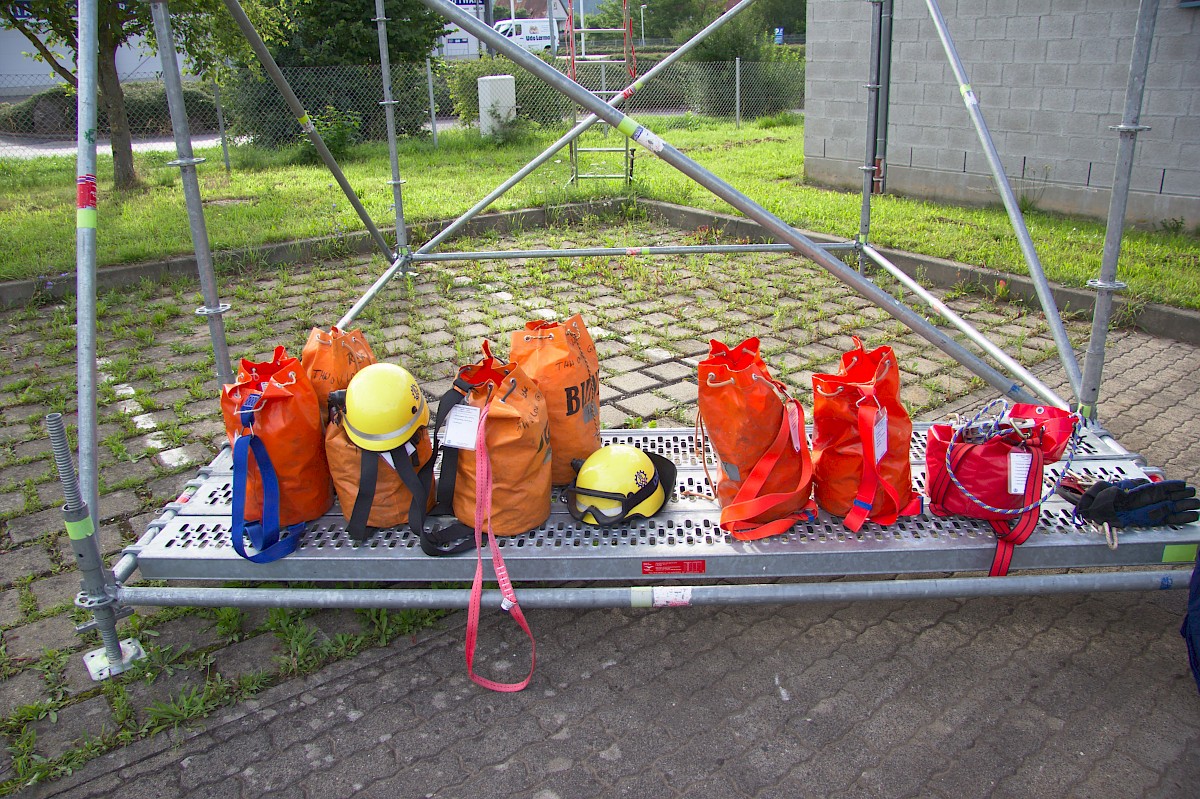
[269, 198]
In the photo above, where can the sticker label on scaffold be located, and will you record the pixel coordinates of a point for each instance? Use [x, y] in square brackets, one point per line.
[648, 140]
[673, 596]
[673, 567]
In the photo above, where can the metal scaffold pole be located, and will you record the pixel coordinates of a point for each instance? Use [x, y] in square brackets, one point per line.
[868, 167]
[1041, 285]
[1107, 284]
[213, 309]
[665, 596]
[979, 339]
[884, 98]
[616, 252]
[85, 251]
[771, 223]
[83, 501]
[389, 113]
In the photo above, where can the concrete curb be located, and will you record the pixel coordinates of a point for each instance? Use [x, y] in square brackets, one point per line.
[1181, 324]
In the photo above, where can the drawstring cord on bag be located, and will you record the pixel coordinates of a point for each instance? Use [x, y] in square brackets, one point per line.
[483, 516]
[992, 431]
[1025, 518]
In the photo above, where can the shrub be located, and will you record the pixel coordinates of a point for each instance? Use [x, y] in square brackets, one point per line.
[258, 110]
[339, 130]
[54, 111]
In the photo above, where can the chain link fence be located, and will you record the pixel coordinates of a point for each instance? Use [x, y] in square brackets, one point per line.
[346, 102]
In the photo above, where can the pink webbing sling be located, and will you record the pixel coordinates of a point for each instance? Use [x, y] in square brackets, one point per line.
[483, 515]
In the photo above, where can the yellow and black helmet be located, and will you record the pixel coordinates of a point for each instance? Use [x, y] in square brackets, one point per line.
[618, 482]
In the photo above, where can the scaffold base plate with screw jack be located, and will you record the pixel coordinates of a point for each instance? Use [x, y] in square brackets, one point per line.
[101, 668]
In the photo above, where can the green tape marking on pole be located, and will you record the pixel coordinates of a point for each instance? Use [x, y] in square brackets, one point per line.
[963, 89]
[85, 218]
[77, 531]
[1180, 553]
[641, 597]
[628, 126]
[304, 120]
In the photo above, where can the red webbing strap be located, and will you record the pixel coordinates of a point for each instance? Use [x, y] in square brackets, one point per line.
[1007, 538]
[749, 503]
[483, 510]
[870, 481]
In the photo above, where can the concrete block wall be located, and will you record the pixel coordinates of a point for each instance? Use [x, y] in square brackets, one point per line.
[1050, 76]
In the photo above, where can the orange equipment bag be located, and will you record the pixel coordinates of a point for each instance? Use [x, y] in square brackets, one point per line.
[518, 442]
[562, 360]
[331, 358]
[281, 477]
[387, 498]
[756, 428]
[861, 436]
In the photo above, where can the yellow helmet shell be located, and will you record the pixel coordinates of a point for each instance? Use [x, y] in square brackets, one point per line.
[384, 407]
[620, 471]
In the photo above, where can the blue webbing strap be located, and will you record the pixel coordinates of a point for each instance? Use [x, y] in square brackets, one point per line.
[264, 535]
[1190, 629]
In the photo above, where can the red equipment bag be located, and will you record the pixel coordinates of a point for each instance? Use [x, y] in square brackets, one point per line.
[764, 482]
[861, 435]
[281, 477]
[994, 470]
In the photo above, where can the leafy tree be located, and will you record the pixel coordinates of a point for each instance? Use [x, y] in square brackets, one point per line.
[329, 52]
[786, 14]
[203, 29]
[502, 10]
[664, 18]
[745, 36]
[324, 33]
[678, 19]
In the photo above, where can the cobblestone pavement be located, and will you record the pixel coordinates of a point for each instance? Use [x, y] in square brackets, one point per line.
[1066, 695]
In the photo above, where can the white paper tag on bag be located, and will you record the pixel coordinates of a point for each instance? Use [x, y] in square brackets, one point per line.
[794, 425]
[462, 425]
[1019, 464]
[881, 436]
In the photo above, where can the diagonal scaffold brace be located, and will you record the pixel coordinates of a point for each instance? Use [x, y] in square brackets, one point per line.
[771, 223]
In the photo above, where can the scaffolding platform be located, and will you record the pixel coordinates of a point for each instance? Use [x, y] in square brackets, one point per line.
[191, 539]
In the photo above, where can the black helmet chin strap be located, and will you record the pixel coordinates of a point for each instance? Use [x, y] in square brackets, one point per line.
[448, 540]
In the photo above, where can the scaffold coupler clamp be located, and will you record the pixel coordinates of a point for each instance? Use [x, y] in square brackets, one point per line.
[404, 257]
[205, 310]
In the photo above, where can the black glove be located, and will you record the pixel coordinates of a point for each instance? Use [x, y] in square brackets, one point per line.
[1133, 503]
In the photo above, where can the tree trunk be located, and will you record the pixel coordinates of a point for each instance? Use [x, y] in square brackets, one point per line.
[113, 97]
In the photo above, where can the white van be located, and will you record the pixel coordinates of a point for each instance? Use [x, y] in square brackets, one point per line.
[534, 35]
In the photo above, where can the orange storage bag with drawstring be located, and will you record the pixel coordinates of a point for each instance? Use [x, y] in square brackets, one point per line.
[561, 358]
[287, 418]
[861, 439]
[756, 429]
[330, 358]
[518, 441]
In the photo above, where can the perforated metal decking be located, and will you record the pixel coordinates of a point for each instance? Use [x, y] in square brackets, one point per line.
[191, 540]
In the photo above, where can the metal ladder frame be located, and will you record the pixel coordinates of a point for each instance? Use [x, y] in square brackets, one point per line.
[575, 149]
